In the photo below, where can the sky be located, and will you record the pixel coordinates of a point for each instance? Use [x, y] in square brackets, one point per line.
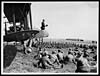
[67, 19]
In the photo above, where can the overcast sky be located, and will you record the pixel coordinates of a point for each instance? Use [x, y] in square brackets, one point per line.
[67, 19]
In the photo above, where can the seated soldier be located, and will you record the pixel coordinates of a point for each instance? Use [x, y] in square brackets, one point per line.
[44, 51]
[54, 58]
[46, 63]
[70, 56]
[40, 55]
[83, 64]
[60, 56]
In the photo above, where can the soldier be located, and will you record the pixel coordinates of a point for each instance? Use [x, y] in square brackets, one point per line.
[60, 56]
[83, 64]
[44, 58]
[40, 52]
[44, 51]
[39, 57]
[85, 52]
[70, 56]
[46, 63]
[54, 57]
[43, 25]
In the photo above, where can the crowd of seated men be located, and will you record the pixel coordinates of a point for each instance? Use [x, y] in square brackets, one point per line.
[81, 59]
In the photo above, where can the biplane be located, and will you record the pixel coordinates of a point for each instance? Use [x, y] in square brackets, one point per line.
[20, 13]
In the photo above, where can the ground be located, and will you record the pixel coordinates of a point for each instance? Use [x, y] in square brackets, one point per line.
[15, 61]
[24, 63]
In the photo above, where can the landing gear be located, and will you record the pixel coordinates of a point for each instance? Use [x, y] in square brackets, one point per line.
[28, 46]
[28, 50]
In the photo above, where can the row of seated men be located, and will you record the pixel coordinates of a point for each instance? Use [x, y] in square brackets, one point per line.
[57, 60]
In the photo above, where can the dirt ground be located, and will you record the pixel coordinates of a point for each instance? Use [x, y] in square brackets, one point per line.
[24, 63]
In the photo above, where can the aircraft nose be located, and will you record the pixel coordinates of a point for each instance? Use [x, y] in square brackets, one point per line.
[42, 33]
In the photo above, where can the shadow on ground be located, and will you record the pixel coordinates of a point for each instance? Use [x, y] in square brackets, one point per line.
[9, 54]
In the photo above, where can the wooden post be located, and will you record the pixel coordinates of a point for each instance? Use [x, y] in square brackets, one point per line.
[5, 29]
[26, 22]
[30, 17]
[31, 41]
[14, 24]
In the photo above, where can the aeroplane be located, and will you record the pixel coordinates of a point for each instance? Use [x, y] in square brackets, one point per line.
[21, 13]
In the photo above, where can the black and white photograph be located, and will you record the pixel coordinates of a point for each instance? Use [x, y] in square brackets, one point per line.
[47, 37]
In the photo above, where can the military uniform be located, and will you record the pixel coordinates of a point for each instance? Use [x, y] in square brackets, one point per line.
[83, 65]
[46, 63]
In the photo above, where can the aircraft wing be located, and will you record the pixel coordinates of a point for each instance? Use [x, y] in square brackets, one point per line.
[21, 35]
[19, 9]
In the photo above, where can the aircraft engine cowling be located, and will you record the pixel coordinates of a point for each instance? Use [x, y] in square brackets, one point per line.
[42, 33]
